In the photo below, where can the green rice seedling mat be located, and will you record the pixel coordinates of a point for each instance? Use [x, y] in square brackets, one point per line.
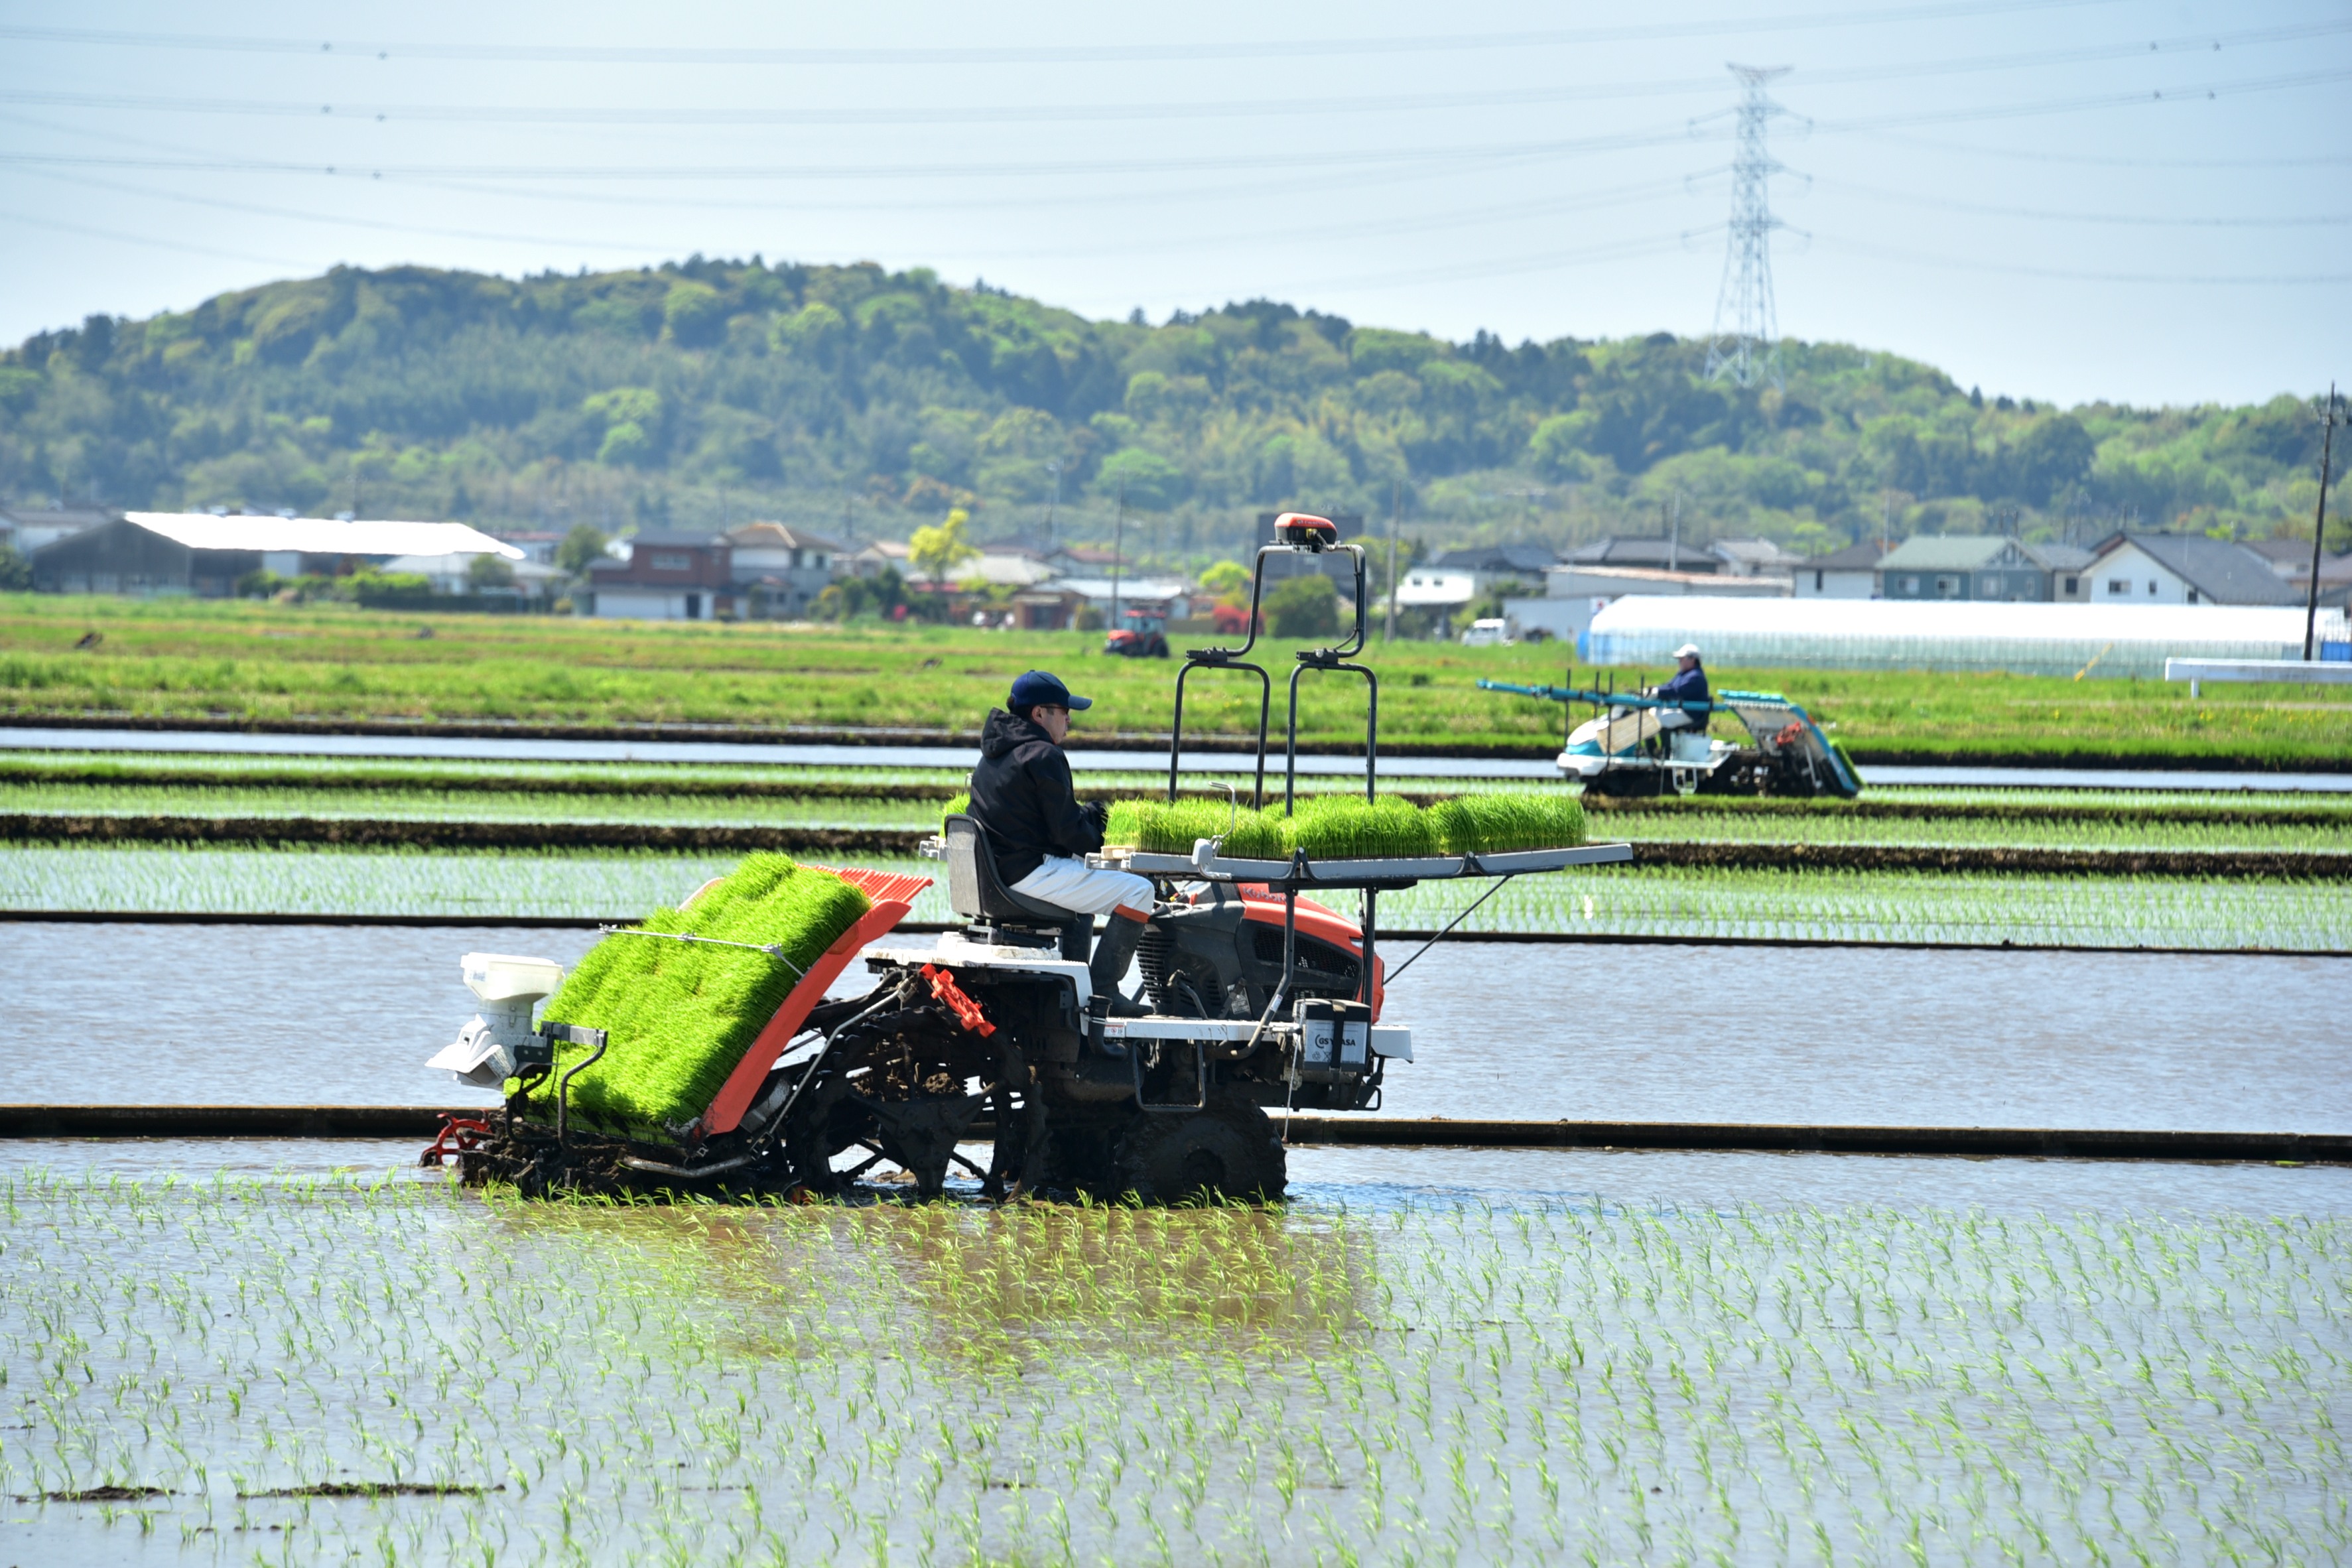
[1350, 827]
[679, 1016]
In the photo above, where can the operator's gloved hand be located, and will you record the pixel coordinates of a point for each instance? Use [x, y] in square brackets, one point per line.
[1097, 813]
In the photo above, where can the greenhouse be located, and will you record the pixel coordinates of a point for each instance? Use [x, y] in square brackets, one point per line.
[1885, 634]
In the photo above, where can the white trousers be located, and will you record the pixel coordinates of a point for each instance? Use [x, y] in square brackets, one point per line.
[1071, 884]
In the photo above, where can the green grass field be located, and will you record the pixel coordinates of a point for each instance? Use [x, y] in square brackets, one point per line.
[185, 659]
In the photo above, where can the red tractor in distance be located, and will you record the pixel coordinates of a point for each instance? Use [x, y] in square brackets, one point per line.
[1141, 634]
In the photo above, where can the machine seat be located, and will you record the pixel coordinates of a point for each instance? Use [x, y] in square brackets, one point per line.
[977, 893]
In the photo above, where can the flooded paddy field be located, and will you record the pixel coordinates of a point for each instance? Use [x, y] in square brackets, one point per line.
[261, 1015]
[230, 1370]
[1718, 903]
[241, 1351]
[916, 809]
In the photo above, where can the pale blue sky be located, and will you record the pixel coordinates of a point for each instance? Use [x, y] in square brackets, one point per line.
[2068, 199]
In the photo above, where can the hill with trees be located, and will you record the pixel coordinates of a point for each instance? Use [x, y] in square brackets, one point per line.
[867, 402]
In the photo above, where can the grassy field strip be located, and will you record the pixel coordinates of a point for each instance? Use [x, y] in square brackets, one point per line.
[1832, 906]
[359, 773]
[1535, 1381]
[883, 807]
[263, 662]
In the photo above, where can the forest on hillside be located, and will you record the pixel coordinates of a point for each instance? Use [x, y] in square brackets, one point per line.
[865, 402]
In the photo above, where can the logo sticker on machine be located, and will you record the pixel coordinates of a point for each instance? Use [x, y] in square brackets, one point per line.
[1317, 1036]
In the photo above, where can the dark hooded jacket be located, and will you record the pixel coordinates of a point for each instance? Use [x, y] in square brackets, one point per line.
[1688, 686]
[1022, 794]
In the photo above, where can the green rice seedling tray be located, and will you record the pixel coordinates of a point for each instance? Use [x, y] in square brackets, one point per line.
[1354, 873]
[680, 1016]
[1349, 827]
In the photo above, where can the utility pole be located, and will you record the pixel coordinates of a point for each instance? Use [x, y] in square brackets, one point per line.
[1054, 505]
[1118, 532]
[1396, 493]
[2319, 527]
[1674, 535]
[1741, 347]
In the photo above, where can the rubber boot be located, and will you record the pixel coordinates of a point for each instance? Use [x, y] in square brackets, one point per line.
[1113, 951]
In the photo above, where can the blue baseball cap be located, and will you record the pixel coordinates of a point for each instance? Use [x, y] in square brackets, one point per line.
[1035, 689]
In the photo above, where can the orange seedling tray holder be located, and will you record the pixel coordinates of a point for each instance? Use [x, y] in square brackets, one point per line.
[893, 895]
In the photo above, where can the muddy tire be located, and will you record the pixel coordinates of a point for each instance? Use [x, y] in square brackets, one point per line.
[1228, 1150]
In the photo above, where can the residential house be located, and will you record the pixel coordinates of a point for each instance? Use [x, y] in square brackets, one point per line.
[1492, 562]
[1167, 596]
[1989, 568]
[2068, 565]
[1440, 588]
[1573, 594]
[670, 575]
[452, 572]
[1050, 607]
[538, 544]
[1848, 574]
[869, 561]
[1002, 568]
[27, 528]
[2183, 569]
[1754, 558]
[779, 570]
[2290, 559]
[1453, 578]
[149, 553]
[1662, 554]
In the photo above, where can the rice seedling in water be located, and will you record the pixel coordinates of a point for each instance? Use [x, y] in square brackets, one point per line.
[1826, 905]
[407, 1372]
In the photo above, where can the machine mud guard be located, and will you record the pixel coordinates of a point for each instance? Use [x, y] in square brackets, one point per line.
[893, 895]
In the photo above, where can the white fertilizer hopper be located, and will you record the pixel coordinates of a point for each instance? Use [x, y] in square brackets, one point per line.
[488, 1049]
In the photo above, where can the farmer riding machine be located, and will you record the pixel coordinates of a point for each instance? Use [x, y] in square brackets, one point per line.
[706, 1048]
[1636, 745]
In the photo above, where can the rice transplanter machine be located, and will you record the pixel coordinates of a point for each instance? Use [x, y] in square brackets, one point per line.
[1263, 996]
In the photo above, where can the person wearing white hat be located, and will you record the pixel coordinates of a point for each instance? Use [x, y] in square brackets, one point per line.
[1689, 685]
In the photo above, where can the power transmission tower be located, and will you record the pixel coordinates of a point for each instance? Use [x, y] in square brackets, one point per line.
[1743, 345]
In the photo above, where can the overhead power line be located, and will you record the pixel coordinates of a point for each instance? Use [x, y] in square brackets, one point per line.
[2054, 214]
[157, 241]
[1017, 54]
[2107, 161]
[2026, 269]
[1282, 107]
[1420, 154]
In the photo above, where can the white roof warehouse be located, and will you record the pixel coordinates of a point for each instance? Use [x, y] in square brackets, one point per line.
[200, 554]
[2026, 638]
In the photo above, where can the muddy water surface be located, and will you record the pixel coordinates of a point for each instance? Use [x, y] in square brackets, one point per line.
[261, 1015]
